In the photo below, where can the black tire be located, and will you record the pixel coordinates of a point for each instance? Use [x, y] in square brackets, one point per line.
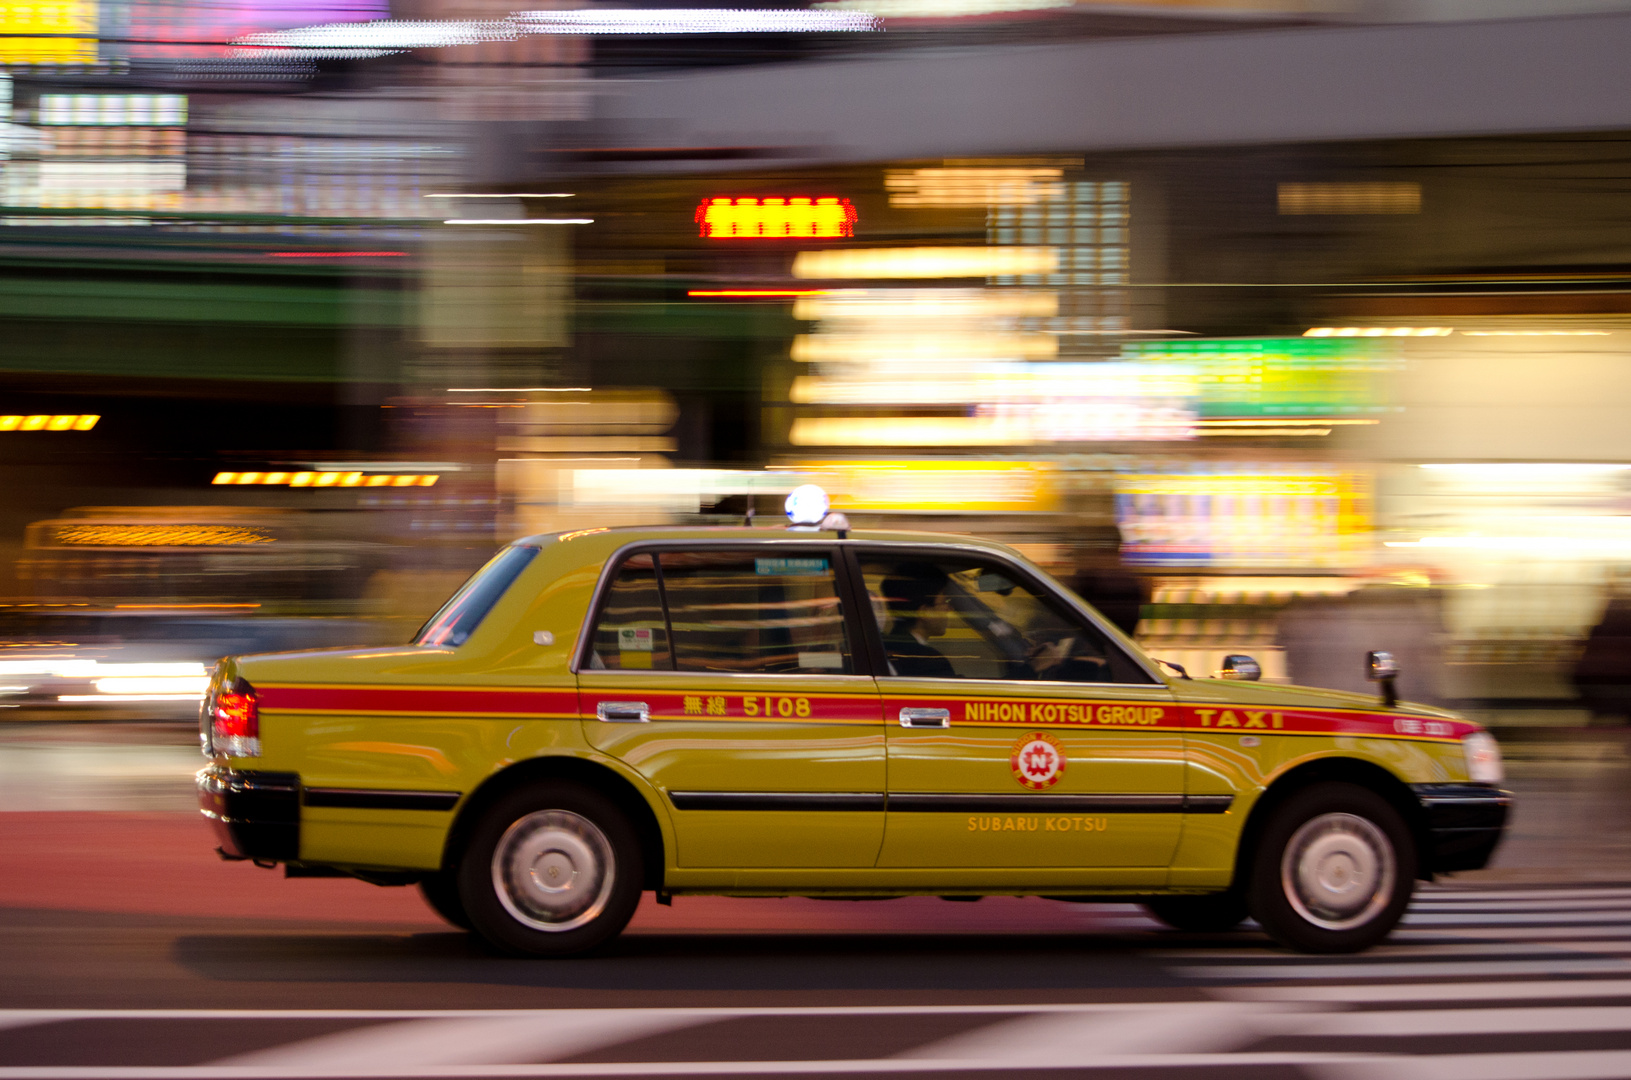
[1333, 870]
[1209, 914]
[551, 870]
[441, 892]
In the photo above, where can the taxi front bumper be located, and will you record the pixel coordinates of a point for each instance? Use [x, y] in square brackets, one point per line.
[256, 815]
[1463, 824]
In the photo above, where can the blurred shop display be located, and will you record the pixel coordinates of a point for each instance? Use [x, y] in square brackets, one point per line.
[1244, 514]
[195, 554]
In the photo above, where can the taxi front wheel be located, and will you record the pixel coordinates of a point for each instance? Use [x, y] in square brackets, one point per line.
[1333, 871]
[551, 871]
[441, 892]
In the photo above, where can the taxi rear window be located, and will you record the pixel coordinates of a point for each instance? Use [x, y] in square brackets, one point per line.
[741, 612]
[460, 616]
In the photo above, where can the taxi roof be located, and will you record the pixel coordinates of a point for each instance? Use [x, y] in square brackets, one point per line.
[627, 534]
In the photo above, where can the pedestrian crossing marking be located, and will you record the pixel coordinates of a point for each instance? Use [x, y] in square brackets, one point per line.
[1545, 968]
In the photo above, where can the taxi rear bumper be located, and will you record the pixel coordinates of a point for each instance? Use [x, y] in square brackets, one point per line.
[256, 815]
[1462, 824]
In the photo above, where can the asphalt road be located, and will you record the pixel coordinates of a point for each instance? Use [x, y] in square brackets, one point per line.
[128, 952]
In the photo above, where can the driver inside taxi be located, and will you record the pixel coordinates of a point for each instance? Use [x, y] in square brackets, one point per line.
[918, 610]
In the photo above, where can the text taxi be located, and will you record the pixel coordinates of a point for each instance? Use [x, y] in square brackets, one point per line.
[760, 712]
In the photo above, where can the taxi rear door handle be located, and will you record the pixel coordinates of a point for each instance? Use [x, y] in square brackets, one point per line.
[623, 712]
[925, 718]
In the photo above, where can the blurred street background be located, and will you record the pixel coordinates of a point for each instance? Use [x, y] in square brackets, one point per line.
[1294, 328]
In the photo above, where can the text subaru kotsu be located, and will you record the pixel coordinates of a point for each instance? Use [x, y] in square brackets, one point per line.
[763, 712]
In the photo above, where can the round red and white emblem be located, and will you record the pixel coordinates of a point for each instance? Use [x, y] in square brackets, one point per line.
[1038, 761]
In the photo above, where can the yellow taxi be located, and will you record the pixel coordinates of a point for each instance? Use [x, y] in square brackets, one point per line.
[820, 712]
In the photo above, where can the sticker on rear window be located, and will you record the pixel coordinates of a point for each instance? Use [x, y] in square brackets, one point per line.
[790, 566]
[634, 639]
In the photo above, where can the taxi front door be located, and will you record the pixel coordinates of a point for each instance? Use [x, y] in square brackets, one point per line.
[726, 678]
[1019, 734]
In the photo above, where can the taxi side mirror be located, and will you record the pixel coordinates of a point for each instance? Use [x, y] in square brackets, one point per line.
[1380, 667]
[1240, 668]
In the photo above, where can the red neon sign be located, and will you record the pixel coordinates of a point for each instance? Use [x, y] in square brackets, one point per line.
[772, 219]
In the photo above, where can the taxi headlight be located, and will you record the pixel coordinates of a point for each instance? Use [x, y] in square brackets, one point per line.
[1483, 758]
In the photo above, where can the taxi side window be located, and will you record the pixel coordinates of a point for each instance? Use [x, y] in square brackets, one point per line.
[750, 613]
[953, 618]
[632, 634]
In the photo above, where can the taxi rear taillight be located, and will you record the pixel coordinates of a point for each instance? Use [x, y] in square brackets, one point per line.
[235, 725]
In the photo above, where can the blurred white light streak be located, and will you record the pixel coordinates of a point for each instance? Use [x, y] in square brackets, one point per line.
[694, 21]
[941, 9]
[520, 389]
[1525, 470]
[102, 699]
[396, 35]
[194, 687]
[73, 668]
[1379, 331]
[520, 221]
[389, 35]
[502, 195]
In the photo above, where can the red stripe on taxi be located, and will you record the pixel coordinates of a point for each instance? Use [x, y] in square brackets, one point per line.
[365, 699]
[1170, 716]
[702, 705]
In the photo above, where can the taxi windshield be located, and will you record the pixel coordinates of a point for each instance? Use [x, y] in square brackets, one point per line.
[460, 616]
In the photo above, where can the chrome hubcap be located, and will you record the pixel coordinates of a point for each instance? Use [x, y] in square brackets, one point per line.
[1338, 871]
[552, 870]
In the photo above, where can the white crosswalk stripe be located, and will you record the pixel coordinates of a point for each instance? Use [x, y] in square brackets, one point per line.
[1500, 984]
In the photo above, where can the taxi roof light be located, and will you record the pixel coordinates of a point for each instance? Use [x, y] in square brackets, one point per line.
[807, 505]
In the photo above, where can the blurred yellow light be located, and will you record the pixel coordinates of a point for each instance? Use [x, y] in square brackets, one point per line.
[35, 423]
[990, 487]
[249, 478]
[225, 478]
[327, 479]
[751, 219]
[275, 478]
[61, 423]
[352, 479]
[302, 479]
[45, 33]
[972, 187]
[1351, 198]
[380, 480]
[937, 304]
[1379, 331]
[157, 536]
[86, 422]
[429, 481]
[1536, 333]
[10, 423]
[966, 346]
[906, 431]
[925, 262]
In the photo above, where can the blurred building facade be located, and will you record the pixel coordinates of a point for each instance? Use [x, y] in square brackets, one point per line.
[1304, 313]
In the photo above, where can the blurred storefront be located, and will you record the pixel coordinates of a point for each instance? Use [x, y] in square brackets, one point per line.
[1298, 381]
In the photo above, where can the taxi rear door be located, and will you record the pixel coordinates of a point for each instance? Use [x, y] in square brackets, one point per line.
[727, 677]
[1019, 733]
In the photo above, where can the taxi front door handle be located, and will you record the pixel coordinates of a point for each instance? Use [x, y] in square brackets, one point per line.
[925, 718]
[623, 712]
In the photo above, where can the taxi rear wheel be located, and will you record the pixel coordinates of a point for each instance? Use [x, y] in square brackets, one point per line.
[441, 892]
[1208, 914]
[1334, 870]
[551, 871]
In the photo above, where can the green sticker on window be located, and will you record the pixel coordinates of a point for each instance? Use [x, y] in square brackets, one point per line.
[790, 566]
